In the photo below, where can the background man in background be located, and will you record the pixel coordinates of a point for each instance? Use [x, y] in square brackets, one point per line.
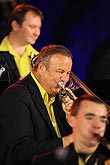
[88, 120]
[32, 120]
[25, 23]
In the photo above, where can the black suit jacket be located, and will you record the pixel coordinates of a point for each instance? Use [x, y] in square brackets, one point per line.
[25, 127]
[11, 72]
[70, 157]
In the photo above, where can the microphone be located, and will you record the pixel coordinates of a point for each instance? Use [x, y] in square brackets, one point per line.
[61, 154]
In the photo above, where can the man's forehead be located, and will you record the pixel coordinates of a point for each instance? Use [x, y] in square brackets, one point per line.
[30, 14]
[60, 58]
[93, 107]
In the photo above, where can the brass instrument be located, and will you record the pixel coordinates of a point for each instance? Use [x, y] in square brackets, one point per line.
[76, 83]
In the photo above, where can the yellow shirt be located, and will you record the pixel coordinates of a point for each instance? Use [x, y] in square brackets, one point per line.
[24, 62]
[82, 162]
[48, 102]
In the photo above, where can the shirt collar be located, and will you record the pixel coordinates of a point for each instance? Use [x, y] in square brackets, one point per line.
[6, 46]
[44, 94]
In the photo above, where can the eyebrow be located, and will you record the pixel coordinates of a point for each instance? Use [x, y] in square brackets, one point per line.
[91, 114]
[62, 70]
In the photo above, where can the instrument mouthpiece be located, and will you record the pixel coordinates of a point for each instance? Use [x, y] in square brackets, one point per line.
[103, 141]
[61, 84]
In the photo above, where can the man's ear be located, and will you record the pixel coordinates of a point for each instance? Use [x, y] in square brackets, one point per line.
[71, 120]
[14, 25]
[41, 67]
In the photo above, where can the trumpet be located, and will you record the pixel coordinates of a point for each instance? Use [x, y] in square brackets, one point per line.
[74, 84]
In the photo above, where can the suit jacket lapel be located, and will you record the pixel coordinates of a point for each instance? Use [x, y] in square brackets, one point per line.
[38, 101]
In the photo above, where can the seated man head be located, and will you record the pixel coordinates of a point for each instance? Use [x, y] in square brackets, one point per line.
[88, 120]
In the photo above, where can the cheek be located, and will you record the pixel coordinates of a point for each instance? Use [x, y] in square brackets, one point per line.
[103, 129]
[26, 31]
[53, 77]
[24, 34]
[82, 127]
[47, 78]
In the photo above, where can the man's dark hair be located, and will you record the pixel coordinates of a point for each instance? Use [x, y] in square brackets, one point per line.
[47, 51]
[77, 102]
[19, 12]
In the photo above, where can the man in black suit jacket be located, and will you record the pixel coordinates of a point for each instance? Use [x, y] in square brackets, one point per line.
[27, 127]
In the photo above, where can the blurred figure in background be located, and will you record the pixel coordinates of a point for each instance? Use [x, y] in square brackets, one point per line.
[25, 23]
[88, 120]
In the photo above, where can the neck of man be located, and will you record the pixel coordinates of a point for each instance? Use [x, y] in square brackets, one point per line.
[18, 46]
[82, 148]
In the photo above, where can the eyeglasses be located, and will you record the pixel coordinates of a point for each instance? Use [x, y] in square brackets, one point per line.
[102, 120]
[92, 118]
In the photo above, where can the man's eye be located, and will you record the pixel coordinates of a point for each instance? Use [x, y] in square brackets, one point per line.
[90, 118]
[104, 120]
[32, 26]
[68, 73]
[60, 72]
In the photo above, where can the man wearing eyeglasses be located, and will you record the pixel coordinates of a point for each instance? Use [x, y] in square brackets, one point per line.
[88, 119]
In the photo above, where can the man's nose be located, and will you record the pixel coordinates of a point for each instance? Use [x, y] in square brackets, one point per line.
[64, 77]
[37, 31]
[97, 123]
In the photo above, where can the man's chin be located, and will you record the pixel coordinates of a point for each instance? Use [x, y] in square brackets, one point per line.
[32, 41]
[56, 92]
